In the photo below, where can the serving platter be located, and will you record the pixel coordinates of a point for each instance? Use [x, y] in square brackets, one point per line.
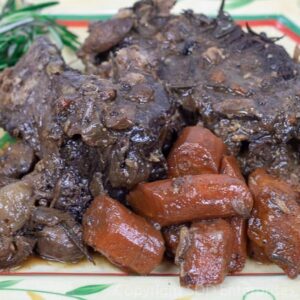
[42, 280]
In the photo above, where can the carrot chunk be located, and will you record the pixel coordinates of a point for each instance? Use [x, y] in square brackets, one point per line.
[126, 239]
[183, 199]
[196, 151]
[239, 246]
[274, 226]
[230, 167]
[204, 252]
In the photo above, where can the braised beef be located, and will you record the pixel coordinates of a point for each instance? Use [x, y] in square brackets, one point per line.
[150, 73]
[17, 160]
[240, 84]
[59, 236]
[123, 125]
[14, 250]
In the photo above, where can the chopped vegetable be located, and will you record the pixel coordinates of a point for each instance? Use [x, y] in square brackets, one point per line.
[274, 226]
[174, 201]
[126, 239]
[239, 244]
[204, 253]
[230, 167]
[196, 151]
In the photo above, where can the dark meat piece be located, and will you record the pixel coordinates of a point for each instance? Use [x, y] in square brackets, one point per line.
[188, 198]
[241, 85]
[28, 96]
[104, 35]
[126, 239]
[274, 226]
[16, 160]
[59, 237]
[204, 252]
[128, 126]
[6, 181]
[16, 205]
[14, 250]
[123, 125]
[60, 185]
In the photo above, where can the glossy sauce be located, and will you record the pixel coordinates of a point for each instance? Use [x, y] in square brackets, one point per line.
[204, 253]
[126, 239]
[175, 201]
[196, 151]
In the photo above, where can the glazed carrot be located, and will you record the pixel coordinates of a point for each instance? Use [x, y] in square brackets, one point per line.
[239, 246]
[257, 253]
[274, 225]
[263, 184]
[126, 239]
[204, 252]
[196, 151]
[187, 198]
[230, 167]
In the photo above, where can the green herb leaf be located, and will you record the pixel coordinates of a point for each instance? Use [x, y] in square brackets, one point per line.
[9, 6]
[7, 139]
[88, 290]
[19, 27]
[8, 283]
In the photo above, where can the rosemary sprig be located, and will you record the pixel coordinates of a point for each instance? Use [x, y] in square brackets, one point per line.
[20, 25]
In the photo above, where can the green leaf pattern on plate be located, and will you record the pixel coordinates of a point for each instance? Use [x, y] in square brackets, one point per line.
[8, 283]
[73, 294]
[231, 4]
[88, 289]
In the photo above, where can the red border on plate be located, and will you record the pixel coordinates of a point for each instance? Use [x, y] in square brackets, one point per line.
[124, 274]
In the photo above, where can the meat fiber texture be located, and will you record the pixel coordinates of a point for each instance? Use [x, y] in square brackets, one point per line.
[241, 85]
[83, 124]
[83, 136]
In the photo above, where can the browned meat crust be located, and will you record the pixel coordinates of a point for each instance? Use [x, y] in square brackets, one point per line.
[241, 85]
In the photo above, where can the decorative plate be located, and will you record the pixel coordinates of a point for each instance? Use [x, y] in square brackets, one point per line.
[43, 280]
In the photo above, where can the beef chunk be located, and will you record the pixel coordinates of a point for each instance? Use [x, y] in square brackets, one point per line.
[14, 250]
[16, 160]
[59, 237]
[123, 124]
[241, 85]
[16, 205]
